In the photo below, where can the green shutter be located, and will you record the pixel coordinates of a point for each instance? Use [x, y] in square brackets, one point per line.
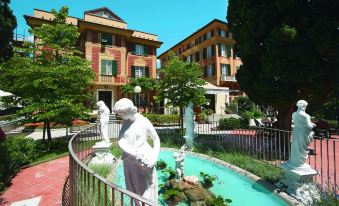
[205, 71]
[204, 37]
[219, 31]
[145, 50]
[228, 49]
[204, 54]
[228, 66]
[213, 49]
[133, 48]
[147, 72]
[212, 32]
[114, 68]
[213, 69]
[197, 56]
[219, 49]
[133, 72]
[227, 34]
[103, 67]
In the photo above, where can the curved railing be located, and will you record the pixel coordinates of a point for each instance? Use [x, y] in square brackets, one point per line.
[85, 187]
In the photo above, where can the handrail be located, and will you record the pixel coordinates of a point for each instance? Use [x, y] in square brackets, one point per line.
[80, 165]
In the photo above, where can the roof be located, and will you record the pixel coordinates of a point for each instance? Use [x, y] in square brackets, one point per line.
[212, 89]
[93, 11]
[202, 28]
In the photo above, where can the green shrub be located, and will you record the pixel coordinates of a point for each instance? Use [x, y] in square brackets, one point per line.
[232, 123]
[160, 119]
[208, 179]
[217, 201]
[15, 153]
[161, 164]
[170, 171]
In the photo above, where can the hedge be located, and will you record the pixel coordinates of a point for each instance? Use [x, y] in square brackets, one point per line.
[232, 123]
[161, 119]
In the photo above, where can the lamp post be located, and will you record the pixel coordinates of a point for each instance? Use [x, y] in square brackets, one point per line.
[137, 90]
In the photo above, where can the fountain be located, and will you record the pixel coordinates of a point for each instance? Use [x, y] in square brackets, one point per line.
[189, 125]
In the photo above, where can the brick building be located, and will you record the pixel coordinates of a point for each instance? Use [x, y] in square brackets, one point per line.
[212, 47]
[116, 52]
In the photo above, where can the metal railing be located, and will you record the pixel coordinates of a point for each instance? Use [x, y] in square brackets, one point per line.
[85, 187]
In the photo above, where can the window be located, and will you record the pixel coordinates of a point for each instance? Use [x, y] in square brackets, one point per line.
[221, 32]
[106, 39]
[210, 51]
[189, 59]
[140, 99]
[222, 50]
[209, 71]
[188, 46]
[109, 67]
[208, 35]
[139, 49]
[177, 53]
[138, 72]
[225, 69]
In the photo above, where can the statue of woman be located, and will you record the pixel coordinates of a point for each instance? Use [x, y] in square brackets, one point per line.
[103, 119]
[302, 136]
[189, 124]
[138, 157]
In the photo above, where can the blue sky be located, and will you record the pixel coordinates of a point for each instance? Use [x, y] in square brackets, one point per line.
[171, 20]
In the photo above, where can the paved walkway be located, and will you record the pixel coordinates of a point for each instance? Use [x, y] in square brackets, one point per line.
[40, 185]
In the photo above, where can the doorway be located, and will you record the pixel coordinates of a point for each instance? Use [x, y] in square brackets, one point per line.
[106, 96]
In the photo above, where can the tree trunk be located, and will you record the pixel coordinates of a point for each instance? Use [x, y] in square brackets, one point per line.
[181, 119]
[284, 123]
[44, 132]
[49, 132]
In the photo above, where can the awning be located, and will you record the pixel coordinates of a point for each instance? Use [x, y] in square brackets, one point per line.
[212, 89]
[4, 94]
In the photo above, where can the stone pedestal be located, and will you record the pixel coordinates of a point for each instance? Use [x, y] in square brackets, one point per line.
[102, 154]
[298, 182]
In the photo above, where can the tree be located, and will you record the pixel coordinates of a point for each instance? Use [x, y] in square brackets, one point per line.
[51, 84]
[289, 51]
[147, 85]
[7, 25]
[181, 83]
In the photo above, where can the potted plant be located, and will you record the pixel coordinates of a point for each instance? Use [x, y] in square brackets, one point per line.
[161, 164]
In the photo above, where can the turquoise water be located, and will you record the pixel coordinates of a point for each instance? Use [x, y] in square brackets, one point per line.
[240, 189]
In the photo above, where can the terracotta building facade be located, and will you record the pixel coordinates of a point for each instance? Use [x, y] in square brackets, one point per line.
[212, 47]
[116, 52]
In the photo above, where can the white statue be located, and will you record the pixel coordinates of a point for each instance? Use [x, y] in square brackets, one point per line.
[302, 137]
[138, 157]
[103, 120]
[189, 125]
[179, 162]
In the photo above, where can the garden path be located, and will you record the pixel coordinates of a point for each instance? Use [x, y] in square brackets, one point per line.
[41, 184]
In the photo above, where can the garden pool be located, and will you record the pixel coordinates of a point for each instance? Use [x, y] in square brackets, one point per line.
[240, 189]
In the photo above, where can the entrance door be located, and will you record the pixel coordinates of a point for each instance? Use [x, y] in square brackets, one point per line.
[106, 96]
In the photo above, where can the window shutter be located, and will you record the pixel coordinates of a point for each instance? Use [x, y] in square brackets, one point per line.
[133, 48]
[103, 67]
[205, 71]
[213, 49]
[227, 34]
[204, 53]
[213, 69]
[212, 32]
[228, 48]
[204, 37]
[147, 72]
[219, 49]
[219, 31]
[197, 56]
[114, 68]
[133, 72]
[145, 50]
[228, 66]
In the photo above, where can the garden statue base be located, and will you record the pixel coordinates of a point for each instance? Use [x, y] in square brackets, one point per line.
[102, 154]
[298, 182]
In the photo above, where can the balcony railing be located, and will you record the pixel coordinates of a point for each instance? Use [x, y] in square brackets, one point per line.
[228, 78]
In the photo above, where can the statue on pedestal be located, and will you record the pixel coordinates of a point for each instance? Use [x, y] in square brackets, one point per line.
[189, 125]
[179, 162]
[302, 136]
[299, 175]
[103, 120]
[138, 157]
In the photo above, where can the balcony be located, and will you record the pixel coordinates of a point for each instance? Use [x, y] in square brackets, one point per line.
[113, 80]
[228, 78]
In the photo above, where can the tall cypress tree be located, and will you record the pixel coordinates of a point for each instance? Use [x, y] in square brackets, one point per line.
[7, 25]
[289, 50]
